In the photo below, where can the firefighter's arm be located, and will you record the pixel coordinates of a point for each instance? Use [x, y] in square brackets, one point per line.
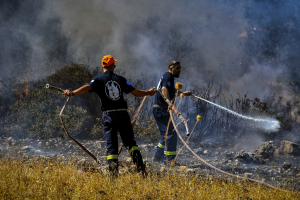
[186, 93]
[165, 92]
[82, 90]
[142, 93]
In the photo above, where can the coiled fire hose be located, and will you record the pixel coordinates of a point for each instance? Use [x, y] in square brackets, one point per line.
[60, 116]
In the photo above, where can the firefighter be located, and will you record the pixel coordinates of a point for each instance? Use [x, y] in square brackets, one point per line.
[110, 88]
[161, 113]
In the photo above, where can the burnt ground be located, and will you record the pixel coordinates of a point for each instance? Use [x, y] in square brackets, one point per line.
[280, 170]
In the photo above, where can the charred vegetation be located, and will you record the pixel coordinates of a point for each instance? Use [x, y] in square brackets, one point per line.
[29, 110]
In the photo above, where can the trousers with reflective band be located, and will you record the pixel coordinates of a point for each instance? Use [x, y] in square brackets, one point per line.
[170, 153]
[162, 117]
[109, 157]
[161, 146]
[114, 123]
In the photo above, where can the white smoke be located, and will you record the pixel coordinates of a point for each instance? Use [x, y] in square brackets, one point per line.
[207, 37]
[141, 34]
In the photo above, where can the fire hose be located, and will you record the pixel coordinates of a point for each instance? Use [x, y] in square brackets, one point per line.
[177, 112]
[175, 127]
[60, 116]
[206, 163]
[211, 166]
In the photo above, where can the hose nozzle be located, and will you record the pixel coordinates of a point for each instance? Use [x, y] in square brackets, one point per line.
[54, 88]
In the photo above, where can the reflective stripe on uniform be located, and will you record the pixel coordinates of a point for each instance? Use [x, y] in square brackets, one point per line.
[133, 148]
[110, 157]
[160, 145]
[170, 153]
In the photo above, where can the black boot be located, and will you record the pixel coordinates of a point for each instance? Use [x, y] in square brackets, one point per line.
[138, 160]
[113, 168]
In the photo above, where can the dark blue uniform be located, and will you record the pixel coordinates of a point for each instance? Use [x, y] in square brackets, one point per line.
[110, 88]
[162, 117]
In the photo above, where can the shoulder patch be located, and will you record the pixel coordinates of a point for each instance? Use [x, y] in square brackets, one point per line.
[169, 83]
[128, 83]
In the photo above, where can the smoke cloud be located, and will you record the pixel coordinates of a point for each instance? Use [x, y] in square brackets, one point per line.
[232, 41]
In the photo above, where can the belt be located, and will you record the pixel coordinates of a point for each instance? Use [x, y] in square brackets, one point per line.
[122, 109]
[159, 106]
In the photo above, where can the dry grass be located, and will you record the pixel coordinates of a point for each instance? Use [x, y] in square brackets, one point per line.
[39, 179]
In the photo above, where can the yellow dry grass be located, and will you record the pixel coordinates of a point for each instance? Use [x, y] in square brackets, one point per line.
[39, 179]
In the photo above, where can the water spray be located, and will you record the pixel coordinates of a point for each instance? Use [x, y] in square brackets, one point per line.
[206, 163]
[269, 124]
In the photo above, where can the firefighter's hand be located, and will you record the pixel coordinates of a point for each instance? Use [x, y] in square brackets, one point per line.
[187, 93]
[68, 93]
[152, 91]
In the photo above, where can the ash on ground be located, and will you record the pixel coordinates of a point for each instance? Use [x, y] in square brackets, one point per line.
[275, 165]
